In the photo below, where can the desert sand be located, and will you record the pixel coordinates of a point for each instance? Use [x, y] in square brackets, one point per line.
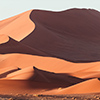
[50, 53]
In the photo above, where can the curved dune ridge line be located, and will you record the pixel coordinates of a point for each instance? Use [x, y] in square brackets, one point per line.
[24, 74]
[50, 64]
[87, 75]
[45, 63]
[17, 27]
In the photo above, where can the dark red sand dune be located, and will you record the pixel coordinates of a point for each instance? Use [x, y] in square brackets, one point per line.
[71, 35]
[13, 46]
[31, 44]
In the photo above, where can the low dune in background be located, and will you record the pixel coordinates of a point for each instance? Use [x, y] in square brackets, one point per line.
[48, 52]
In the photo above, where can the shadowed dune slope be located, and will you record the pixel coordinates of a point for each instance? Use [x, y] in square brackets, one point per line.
[24, 87]
[71, 35]
[37, 75]
[9, 45]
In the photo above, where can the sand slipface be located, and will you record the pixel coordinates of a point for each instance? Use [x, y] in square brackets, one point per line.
[48, 52]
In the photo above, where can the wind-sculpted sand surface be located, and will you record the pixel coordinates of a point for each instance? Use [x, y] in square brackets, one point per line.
[52, 55]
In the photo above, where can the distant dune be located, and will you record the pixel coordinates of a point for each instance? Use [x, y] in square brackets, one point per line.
[49, 52]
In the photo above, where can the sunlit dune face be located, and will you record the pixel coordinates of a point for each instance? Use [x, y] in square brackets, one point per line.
[17, 27]
[3, 38]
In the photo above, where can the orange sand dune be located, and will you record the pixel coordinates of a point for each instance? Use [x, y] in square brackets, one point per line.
[17, 27]
[50, 64]
[90, 86]
[3, 38]
[44, 50]
[90, 72]
[86, 75]
[45, 63]
[38, 75]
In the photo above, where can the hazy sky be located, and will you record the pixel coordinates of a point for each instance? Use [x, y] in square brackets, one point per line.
[10, 8]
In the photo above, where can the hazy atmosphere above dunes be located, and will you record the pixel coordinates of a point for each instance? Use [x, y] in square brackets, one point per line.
[10, 8]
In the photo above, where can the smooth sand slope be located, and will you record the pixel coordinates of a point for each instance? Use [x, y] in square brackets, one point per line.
[86, 75]
[50, 52]
[44, 63]
[90, 86]
[3, 38]
[17, 27]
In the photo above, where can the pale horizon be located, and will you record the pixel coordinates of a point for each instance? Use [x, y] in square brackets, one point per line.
[9, 8]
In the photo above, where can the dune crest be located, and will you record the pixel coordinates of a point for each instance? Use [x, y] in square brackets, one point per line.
[17, 27]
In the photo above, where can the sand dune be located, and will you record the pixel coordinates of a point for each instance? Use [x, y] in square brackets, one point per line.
[50, 52]
[71, 35]
[17, 27]
[45, 63]
[60, 75]
[90, 86]
[86, 75]
[32, 73]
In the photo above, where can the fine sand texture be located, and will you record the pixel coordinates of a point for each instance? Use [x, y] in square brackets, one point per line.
[50, 53]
